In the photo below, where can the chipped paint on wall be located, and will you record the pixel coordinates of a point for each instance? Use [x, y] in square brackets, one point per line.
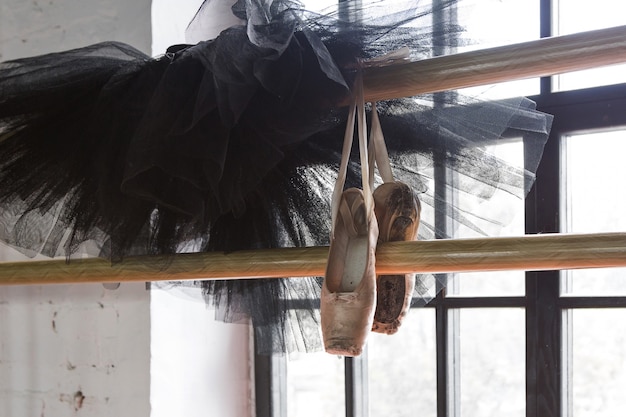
[71, 350]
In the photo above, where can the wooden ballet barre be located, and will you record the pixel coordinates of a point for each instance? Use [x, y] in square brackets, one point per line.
[543, 57]
[539, 58]
[530, 252]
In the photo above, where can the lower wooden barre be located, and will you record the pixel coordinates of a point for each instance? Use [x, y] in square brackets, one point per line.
[530, 252]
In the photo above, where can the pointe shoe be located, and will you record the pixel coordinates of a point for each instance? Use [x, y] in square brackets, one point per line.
[397, 209]
[348, 295]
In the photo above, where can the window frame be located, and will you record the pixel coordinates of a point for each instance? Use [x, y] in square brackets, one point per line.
[576, 110]
[588, 109]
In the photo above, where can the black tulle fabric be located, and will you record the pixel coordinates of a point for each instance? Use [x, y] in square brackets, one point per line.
[234, 143]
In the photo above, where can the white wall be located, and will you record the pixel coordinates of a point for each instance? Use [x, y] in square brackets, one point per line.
[200, 367]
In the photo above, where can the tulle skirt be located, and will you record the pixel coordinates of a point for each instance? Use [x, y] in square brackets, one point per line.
[234, 143]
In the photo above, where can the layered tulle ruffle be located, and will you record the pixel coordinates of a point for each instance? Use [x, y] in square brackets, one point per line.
[234, 143]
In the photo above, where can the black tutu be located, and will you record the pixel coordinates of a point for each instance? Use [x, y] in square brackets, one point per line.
[234, 143]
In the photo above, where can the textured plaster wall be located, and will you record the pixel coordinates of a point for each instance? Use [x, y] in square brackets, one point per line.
[72, 350]
[82, 350]
[30, 27]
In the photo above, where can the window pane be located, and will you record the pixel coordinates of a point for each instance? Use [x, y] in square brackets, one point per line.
[491, 23]
[315, 385]
[592, 197]
[571, 16]
[488, 375]
[597, 363]
[402, 368]
[506, 218]
[487, 284]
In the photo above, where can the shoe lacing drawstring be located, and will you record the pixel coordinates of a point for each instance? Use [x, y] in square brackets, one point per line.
[357, 110]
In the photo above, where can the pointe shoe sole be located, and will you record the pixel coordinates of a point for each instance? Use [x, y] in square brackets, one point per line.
[398, 212]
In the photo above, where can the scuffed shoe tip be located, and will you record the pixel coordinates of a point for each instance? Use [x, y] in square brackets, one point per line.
[343, 348]
[387, 328]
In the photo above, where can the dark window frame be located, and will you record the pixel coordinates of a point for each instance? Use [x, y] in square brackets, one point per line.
[578, 110]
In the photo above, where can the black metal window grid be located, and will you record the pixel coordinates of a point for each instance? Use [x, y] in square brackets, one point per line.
[579, 110]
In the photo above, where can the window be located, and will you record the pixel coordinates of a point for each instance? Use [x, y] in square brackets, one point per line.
[579, 309]
[572, 16]
[540, 343]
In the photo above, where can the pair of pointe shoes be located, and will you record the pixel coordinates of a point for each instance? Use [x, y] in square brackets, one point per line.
[354, 300]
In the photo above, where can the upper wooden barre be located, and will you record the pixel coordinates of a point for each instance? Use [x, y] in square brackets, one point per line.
[530, 252]
[539, 58]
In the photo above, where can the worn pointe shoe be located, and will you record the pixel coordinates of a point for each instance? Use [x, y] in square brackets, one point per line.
[348, 295]
[397, 209]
